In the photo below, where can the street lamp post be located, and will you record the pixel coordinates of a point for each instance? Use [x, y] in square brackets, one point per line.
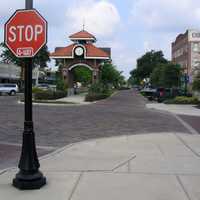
[29, 176]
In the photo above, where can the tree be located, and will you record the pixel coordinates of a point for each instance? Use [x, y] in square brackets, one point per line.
[60, 83]
[40, 59]
[134, 78]
[111, 76]
[83, 75]
[166, 75]
[172, 75]
[148, 62]
[156, 77]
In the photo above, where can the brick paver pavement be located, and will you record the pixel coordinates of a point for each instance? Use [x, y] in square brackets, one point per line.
[56, 126]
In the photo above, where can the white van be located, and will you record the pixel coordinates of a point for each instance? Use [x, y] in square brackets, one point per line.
[9, 88]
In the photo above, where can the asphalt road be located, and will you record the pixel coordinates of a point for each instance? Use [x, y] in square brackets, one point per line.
[57, 126]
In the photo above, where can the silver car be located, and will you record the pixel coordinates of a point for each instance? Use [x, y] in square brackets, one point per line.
[9, 88]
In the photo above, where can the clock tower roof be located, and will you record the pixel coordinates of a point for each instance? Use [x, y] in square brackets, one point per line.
[82, 36]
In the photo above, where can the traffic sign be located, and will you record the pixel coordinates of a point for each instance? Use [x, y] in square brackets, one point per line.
[25, 33]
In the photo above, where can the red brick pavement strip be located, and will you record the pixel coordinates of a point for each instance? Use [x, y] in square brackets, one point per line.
[193, 121]
[10, 154]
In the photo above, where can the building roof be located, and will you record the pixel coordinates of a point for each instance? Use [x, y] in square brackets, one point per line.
[63, 51]
[107, 50]
[82, 35]
[91, 52]
[180, 37]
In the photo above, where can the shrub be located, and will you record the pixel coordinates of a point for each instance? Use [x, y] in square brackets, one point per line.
[98, 91]
[97, 88]
[50, 95]
[124, 88]
[96, 97]
[36, 90]
[196, 84]
[61, 85]
[182, 100]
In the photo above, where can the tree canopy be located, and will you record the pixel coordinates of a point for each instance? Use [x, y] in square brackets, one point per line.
[134, 78]
[110, 75]
[148, 62]
[83, 75]
[154, 67]
[166, 75]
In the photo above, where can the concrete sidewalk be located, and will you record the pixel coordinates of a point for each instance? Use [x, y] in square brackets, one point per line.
[191, 110]
[163, 166]
[78, 99]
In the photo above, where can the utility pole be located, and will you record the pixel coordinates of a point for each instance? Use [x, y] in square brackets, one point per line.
[29, 177]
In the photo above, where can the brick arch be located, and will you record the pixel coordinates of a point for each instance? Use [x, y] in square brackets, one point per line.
[80, 64]
[70, 73]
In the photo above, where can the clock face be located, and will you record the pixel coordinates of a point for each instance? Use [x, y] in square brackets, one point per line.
[79, 51]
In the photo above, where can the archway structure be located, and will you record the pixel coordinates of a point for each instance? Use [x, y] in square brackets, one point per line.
[82, 52]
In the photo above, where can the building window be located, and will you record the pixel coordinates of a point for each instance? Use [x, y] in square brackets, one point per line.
[196, 47]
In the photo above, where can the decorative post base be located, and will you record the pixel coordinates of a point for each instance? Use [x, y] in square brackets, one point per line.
[27, 181]
[29, 177]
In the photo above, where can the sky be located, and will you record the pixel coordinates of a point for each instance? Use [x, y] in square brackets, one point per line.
[129, 27]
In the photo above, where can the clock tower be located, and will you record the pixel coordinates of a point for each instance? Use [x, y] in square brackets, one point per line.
[82, 52]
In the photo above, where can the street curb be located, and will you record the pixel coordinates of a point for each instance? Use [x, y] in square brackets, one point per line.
[59, 104]
[185, 124]
[72, 104]
[164, 110]
[58, 151]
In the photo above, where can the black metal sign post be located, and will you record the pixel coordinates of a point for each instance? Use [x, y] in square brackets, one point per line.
[29, 177]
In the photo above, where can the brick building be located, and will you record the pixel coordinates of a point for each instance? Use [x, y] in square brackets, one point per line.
[82, 52]
[186, 52]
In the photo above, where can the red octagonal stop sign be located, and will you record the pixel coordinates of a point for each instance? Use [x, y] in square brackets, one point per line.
[25, 33]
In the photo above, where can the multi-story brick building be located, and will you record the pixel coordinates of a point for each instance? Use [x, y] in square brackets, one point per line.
[186, 52]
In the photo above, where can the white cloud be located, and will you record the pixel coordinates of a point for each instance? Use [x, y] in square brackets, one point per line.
[166, 15]
[147, 46]
[124, 57]
[101, 17]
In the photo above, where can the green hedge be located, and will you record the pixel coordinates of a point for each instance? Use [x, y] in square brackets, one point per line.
[36, 90]
[182, 100]
[98, 91]
[124, 88]
[196, 85]
[49, 95]
[95, 97]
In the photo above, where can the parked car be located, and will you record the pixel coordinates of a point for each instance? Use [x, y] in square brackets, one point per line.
[9, 88]
[149, 92]
[167, 93]
[148, 89]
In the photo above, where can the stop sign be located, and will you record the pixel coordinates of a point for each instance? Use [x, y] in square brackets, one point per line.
[25, 33]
